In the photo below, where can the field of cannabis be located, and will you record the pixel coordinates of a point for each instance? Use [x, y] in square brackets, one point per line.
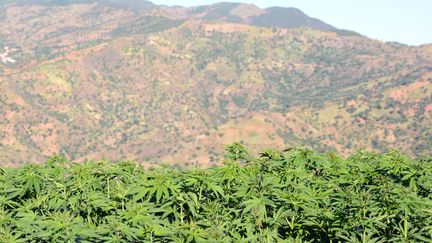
[294, 195]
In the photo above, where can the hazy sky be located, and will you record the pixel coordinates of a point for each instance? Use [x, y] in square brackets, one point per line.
[405, 21]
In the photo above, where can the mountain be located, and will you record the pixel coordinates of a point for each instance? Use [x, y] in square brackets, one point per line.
[128, 4]
[289, 18]
[133, 80]
[270, 17]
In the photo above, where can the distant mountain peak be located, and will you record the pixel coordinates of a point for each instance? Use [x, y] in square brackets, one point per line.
[224, 11]
[128, 4]
[251, 14]
[247, 11]
[290, 18]
[132, 5]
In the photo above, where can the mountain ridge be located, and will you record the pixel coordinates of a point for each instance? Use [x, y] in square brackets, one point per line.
[269, 17]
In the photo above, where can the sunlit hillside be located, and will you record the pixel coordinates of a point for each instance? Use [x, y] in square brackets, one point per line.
[98, 79]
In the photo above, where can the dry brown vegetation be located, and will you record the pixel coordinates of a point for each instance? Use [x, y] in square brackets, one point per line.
[170, 84]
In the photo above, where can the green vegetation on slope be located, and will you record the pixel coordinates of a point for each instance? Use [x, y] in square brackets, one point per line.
[173, 84]
[295, 194]
[162, 94]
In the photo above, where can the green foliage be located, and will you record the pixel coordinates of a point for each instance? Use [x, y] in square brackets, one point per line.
[146, 25]
[295, 195]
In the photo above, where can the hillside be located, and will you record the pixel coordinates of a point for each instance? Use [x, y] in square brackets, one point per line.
[173, 84]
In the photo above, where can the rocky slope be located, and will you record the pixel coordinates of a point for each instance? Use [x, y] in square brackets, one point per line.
[133, 80]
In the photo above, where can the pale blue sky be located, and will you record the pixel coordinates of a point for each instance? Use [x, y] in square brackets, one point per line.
[405, 21]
